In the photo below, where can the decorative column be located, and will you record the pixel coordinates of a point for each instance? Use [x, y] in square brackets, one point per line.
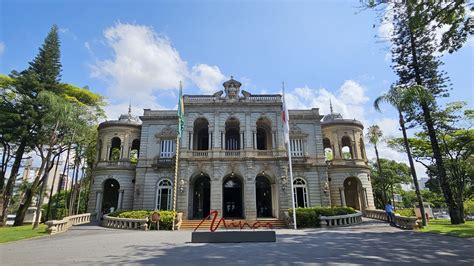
[191, 144]
[222, 140]
[210, 141]
[255, 140]
[343, 197]
[98, 202]
[120, 198]
[107, 156]
[273, 140]
[241, 141]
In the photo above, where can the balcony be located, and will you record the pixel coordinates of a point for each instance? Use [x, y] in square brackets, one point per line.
[165, 162]
[231, 154]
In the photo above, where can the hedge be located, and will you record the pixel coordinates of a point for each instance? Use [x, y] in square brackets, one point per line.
[309, 217]
[166, 217]
[408, 212]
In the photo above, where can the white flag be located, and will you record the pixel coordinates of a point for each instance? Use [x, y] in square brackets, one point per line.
[284, 118]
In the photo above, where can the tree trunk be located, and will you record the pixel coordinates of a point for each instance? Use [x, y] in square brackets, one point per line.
[44, 180]
[7, 193]
[385, 198]
[454, 209]
[412, 169]
[28, 197]
[48, 210]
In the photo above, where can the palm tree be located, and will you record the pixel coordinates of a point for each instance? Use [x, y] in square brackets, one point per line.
[374, 134]
[401, 98]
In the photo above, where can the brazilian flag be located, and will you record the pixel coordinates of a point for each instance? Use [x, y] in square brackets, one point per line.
[180, 113]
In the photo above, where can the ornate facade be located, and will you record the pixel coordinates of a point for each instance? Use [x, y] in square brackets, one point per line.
[232, 159]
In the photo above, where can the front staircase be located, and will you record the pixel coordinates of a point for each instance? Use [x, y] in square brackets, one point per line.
[191, 224]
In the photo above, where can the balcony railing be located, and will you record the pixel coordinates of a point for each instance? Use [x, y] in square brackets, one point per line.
[115, 164]
[165, 162]
[200, 153]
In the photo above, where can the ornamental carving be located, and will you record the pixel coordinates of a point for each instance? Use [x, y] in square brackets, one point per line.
[166, 132]
[297, 131]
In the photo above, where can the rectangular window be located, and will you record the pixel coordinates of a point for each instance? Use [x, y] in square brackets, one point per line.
[296, 146]
[167, 148]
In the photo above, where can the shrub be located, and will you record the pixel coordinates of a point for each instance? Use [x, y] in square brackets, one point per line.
[310, 217]
[469, 207]
[408, 212]
[166, 217]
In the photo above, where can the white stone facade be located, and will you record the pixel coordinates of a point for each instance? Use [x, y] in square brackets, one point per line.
[232, 159]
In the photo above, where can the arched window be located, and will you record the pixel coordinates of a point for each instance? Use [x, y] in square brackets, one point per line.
[201, 134]
[163, 195]
[134, 151]
[115, 149]
[328, 153]
[264, 134]
[300, 192]
[346, 149]
[232, 134]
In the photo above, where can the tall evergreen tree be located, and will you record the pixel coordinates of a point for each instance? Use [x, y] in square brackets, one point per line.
[415, 62]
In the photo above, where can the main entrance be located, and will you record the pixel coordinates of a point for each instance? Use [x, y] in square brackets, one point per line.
[263, 193]
[202, 197]
[232, 197]
[111, 195]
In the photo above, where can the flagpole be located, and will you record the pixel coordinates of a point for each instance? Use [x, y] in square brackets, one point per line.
[176, 166]
[287, 140]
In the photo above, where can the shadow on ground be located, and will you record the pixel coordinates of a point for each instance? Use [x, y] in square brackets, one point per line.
[312, 247]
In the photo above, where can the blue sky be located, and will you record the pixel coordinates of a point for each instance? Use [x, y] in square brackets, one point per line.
[139, 50]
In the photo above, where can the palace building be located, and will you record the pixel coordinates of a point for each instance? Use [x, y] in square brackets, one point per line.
[232, 159]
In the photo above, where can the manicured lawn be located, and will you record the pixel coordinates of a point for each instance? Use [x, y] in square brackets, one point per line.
[446, 228]
[8, 234]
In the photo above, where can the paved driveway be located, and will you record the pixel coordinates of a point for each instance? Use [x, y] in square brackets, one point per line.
[371, 242]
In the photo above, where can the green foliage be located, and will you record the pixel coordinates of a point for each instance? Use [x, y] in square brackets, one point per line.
[115, 154]
[435, 198]
[393, 175]
[469, 207]
[134, 156]
[408, 212]
[58, 209]
[310, 217]
[166, 217]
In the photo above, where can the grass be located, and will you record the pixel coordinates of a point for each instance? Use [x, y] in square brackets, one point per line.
[10, 233]
[445, 227]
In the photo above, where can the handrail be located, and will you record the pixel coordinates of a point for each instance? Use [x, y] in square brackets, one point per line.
[124, 223]
[409, 223]
[341, 220]
[60, 226]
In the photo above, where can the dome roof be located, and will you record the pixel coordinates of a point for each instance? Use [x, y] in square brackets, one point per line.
[124, 120]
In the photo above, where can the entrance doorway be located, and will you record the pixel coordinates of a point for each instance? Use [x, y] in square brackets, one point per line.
[202, 197]
[263, 194]
[111, 195]
[232, 198]
[351, 193]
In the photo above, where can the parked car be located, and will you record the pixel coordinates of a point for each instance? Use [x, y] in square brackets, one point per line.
[10, 219]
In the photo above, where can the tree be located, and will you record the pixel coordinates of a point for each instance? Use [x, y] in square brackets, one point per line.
[374, 134]
[457, 146]
[401, 99]
[415, 62]
[394, 174]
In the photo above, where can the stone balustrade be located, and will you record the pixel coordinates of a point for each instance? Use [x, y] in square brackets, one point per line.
[124, 223]
[409, 223]
[341, 220]
[59, 226]
[206, 154]
[115, 164]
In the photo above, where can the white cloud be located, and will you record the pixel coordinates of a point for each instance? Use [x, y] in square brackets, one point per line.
[143, 62]
[207, 78]
[349, 101]
[2, 48]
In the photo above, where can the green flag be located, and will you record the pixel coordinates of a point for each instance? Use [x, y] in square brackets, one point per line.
[180, 112]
